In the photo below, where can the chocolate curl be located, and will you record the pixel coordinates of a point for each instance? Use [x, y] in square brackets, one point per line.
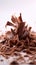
[13, 31]
[30, 28]
[20, 19]
[9, 24]
[19, 46]
[14, 19]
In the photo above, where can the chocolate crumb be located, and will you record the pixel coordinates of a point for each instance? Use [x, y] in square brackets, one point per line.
[14, 63]
[1, 60]
[31, 63]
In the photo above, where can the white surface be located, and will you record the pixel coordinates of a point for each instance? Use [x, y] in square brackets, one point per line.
[26, 7]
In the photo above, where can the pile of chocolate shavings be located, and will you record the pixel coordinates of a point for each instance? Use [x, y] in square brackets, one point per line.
[19, 39]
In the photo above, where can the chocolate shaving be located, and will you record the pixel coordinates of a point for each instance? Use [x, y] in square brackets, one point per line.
[20, 40]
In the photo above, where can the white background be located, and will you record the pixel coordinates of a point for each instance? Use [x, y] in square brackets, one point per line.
[14, 7]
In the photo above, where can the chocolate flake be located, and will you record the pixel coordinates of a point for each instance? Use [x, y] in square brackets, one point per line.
[22, 39]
